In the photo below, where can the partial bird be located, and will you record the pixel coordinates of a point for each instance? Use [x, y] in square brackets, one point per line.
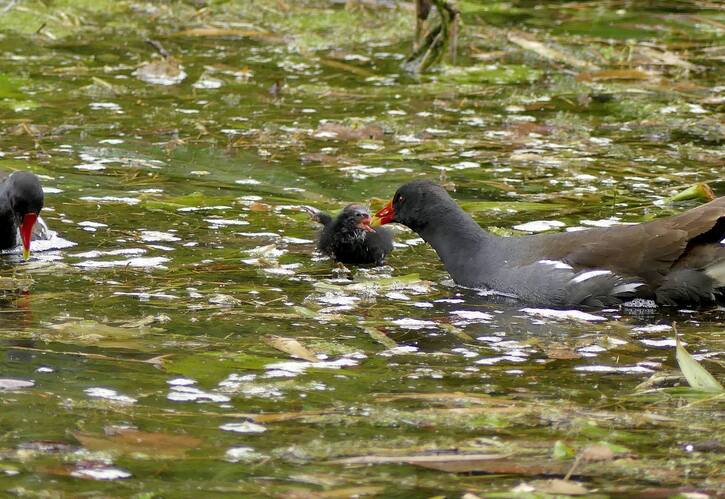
[21, 199]
[673, 261]
[348, 238]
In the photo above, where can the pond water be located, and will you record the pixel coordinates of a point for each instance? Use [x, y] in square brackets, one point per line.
[153, 356]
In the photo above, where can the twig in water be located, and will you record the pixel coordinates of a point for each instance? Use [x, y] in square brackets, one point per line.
[9, 6]
[159, 48]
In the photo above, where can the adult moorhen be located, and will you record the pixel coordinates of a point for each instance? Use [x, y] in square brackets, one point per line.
[21, 199]
[348, 238]
[678, 260]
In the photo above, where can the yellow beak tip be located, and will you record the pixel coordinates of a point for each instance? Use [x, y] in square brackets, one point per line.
[375, 222]
[26, 254]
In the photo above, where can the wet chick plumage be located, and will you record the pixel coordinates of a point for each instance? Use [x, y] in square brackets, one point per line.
[349, 239]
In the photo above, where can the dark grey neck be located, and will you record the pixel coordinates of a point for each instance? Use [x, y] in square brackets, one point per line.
[8, 227]
[466, 250]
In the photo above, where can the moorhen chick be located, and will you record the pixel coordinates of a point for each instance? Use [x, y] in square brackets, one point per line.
[348, 238]
[679, 260]
[21, 199]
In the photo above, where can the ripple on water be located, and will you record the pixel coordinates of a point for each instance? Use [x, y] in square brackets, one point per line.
[155, 262]
[111, 199]
[108, 394]
[242, 454]
[637, 369]
[185, 393]
[576, 315]
[101, 473]
[243, 427]
[155, 236]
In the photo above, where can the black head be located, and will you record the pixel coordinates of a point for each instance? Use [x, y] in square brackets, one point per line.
[354, 216]
[25, 194]
[415, 204]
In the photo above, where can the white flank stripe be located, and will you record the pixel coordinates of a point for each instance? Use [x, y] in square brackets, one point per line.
[588, 275]
[558, 264]
[626, 288]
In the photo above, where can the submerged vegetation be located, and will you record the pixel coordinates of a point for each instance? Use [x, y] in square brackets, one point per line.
[180, 335]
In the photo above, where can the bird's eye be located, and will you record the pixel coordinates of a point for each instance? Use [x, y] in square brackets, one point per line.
[398, 199]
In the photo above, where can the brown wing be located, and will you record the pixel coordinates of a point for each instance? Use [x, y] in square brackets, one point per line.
[651, 250]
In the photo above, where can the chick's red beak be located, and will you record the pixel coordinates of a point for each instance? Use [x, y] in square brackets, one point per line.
[384, 216]
[365, 224]
[26, 232]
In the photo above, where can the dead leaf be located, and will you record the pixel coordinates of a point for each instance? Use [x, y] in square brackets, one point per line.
[225, 32]
[347, 67]
[500, 466]
[155, 445]
[452, 398]
[290, 346]
[257, 206]
[490, 56]
[430, 459]
[278, 417]
[614, 74]
[381, 337]
[146, 321]
[661, 379]
[103, 335]
[562, 487]
[525, 41]
[561, 353]
[665, 58]
[29, 129]
[696, 375]
[597, 452]
[457, 332]
[343, 132]
[224, 300]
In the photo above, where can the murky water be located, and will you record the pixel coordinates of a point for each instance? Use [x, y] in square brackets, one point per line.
[148, 348]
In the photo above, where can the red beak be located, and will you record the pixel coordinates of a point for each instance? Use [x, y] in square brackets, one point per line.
[26, 232]
[384, 216]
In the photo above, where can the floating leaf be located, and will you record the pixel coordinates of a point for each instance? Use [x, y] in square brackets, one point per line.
[560, 487]
[380, 337]
[501, 75]
[613, 74]
[155, 445]
[597, 452]
[432, 459]
[665, 58]
[102, 335]
[224, 300]
[561, 353]
[290, 346]
[528, 43]
[456, 331]
[224, 32]
[696, 375]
